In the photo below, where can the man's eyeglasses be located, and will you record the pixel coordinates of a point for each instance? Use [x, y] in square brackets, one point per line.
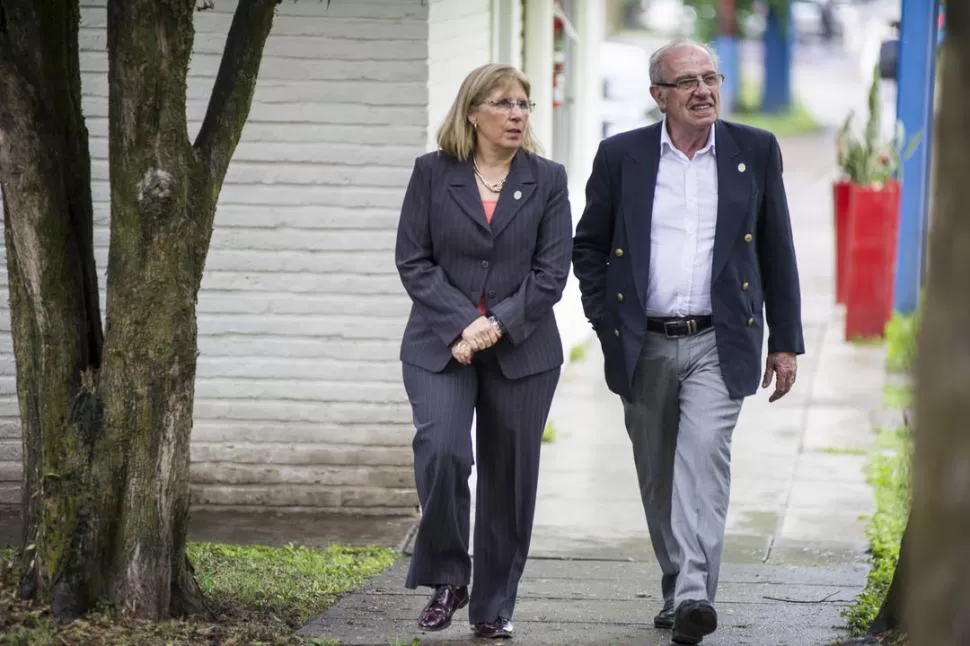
[508, 104]
[691, 83]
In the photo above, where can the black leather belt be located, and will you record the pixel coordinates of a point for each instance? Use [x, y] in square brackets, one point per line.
[675, 328]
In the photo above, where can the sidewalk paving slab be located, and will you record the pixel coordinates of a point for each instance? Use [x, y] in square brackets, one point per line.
[601, 603]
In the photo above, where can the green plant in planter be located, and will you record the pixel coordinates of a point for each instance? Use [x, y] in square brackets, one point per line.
[868, 160]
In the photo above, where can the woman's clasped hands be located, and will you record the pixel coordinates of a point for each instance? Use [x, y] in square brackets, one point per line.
[478, 336]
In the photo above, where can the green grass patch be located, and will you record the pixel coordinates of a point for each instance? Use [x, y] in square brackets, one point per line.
[867, 341]
[549, 433]
[257, 595]
[578, 352]
[897, 397]
[792, 122]
[888, 474]
[842, 450]
[901, 343]
[290, 580]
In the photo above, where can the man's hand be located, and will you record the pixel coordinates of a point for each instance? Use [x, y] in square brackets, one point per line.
[783, 365]
[481, 334]
[462, 352]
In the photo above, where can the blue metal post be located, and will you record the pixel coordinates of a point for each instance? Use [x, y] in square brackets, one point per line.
[914, 108]
[779, 39]
[730, 59]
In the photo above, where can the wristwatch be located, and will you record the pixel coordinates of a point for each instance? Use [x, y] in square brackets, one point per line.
[497, 324]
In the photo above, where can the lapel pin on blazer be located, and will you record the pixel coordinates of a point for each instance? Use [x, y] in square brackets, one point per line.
[741, 167]
[517, 195]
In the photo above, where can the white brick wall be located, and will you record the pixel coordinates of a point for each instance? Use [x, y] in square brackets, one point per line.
[299, 399]
[459, 40]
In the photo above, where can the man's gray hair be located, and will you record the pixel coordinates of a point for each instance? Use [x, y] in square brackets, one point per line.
[657, 58]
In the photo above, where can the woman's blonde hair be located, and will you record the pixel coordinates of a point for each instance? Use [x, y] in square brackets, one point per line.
[456, 136]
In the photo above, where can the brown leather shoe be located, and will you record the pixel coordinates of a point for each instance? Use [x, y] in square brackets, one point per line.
[445, 600]
[501, 628]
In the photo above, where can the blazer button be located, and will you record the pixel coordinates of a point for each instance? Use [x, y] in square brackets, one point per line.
[750, 321]
[619, 253]
[745, 285]
[491, 293]
[748, 237]
[485, 264]
[616, 332]
[619, 297]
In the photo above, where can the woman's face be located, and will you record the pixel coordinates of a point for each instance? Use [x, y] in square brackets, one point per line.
[501, 119]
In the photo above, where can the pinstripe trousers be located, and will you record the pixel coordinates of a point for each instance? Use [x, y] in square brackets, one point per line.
[511, 415]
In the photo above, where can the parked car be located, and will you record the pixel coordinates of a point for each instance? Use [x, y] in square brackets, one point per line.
[627, 103]
[889, 49]
[814, 20]
[817, 20]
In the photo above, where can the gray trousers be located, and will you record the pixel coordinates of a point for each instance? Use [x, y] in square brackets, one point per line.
[680, 422]
[511, 415]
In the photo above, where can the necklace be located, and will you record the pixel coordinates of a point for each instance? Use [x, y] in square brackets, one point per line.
[495, 187]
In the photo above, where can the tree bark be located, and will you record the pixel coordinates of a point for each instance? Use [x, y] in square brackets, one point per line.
[938, 595]
[56, 324]
[164, 193]
[107, 420]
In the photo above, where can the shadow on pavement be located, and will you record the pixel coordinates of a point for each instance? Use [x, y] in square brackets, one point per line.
[269, 528]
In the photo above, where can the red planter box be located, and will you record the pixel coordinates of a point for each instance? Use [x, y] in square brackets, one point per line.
[873, 218]
[841, 192]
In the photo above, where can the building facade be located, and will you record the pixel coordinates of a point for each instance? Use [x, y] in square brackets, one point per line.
[299, 402]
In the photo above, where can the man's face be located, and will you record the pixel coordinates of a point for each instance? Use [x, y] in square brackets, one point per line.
[693, 108]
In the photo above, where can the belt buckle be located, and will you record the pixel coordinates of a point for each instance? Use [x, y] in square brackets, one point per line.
[690, 324]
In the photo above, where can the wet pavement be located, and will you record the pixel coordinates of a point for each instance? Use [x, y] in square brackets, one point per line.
[612, 602]
[795, 545]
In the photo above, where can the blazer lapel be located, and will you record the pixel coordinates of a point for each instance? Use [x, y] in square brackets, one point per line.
[518, 190]
[464, 190]
[639, 181]
[735, 187]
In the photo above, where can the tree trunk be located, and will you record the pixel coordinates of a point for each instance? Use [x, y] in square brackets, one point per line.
[107, 423]
[56, 324]
[938, 598]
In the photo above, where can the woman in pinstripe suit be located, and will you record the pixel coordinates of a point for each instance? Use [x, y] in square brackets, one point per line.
[483, 250]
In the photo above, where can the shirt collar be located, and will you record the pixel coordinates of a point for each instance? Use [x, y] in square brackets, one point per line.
[666, 144]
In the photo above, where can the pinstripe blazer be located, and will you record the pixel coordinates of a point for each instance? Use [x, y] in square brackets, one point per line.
[448, 257]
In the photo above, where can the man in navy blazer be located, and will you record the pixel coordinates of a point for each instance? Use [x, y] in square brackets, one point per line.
[683, 252]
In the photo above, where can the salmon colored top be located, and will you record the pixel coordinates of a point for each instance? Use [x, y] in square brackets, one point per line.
[489, 212]
[489, 209]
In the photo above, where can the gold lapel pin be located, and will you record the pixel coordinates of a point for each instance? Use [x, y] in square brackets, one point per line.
[517, 195]
[742, 167]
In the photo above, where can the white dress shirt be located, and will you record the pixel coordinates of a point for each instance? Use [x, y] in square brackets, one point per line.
[682, 231]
